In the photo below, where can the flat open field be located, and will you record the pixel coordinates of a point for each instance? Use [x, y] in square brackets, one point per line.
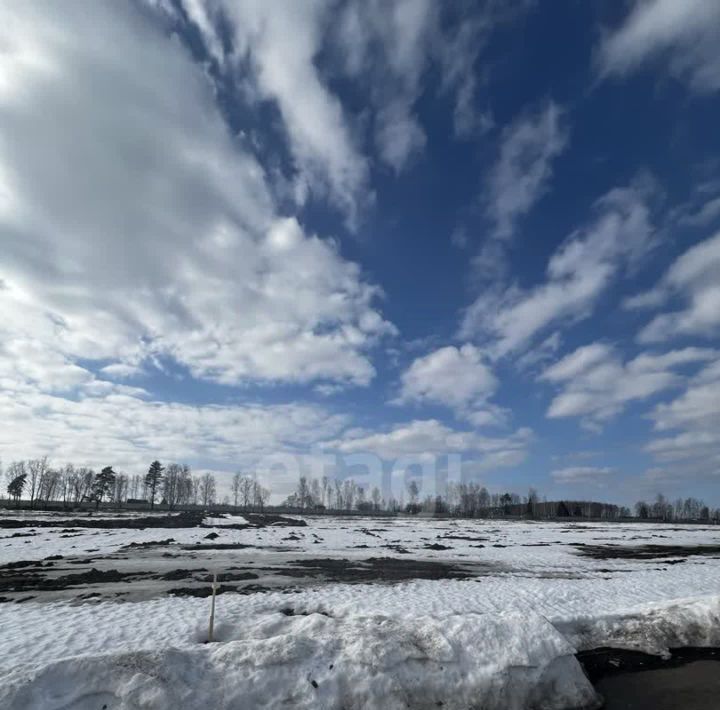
[329, 612]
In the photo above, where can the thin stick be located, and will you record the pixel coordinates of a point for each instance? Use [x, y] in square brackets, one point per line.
[212, 608]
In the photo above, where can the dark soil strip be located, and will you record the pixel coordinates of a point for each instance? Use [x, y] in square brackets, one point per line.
[182, 520]
[374, 569]
[186, 519]
[200, 547]
[469, 538]
[262, 520]
[150, 543]
[31, 581]
[203, 592]
[645, 552]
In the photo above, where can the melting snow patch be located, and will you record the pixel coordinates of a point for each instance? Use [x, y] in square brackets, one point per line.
[506, 661]
[652, 628]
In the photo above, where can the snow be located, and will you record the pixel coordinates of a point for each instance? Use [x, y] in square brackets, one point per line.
[504, 638]
[504, 661]
[225, 520]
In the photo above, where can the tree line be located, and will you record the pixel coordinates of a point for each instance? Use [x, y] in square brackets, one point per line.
[172, 486]
[459, 499]
[679, 509]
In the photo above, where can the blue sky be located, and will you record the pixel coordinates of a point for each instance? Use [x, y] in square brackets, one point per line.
[237, 234]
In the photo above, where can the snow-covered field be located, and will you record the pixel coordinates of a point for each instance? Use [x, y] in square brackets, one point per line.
[340, 612]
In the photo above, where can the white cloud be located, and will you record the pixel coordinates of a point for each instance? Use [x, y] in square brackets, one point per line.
[688, 427]
[458, 55]
[459, 378]
[122, 370]
[112, 425]
[542, 353]
[577, 274]
[282, 44]
[137, 226]
[398, 134]
[430, 438]
[292, 53]
[597, 385]
[582, 474]
[694, 277]
[524, 167]
[704, 215]
[686, 34]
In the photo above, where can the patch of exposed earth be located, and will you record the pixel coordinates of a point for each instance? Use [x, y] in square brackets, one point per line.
[646, 552]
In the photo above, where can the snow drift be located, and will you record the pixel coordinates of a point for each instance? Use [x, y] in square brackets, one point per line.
[507, 661]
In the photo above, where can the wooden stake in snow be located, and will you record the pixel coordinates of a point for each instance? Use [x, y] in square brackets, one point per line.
[212, 608]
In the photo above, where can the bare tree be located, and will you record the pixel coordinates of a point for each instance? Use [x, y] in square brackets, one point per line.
[315, 493]
[174, 484]
[134, 490]
[246, 491]
[326, 491]
[236, 488]
[48, 484]
[37, 469]
[185, 486]
[303, 492]
[207, 489]
[413, 491]
[260, 495]
[120, 489]
[196, 480]
[349, 489]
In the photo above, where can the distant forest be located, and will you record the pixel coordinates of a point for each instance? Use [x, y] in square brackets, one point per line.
[473, 500]
[35, 482]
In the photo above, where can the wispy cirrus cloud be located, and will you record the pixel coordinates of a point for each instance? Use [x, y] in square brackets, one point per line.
[581, 269]
[684, 35]
[524, 166]
[583, 475]
[428, 438]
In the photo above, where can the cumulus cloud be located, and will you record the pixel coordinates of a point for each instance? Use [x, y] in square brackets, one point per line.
[51, 406]
[685, 35]
[524, 167]
[693, 278]
[597, 385]
[135, 225]
[577, 274]
[459, 378]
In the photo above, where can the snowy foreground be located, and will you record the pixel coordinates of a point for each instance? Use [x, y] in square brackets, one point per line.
[351, 613]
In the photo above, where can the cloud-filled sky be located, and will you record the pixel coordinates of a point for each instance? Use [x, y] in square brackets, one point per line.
[233, 230]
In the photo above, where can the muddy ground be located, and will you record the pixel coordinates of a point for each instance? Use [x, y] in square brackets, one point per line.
[144, 570]
[689, 679]
[646, 552]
